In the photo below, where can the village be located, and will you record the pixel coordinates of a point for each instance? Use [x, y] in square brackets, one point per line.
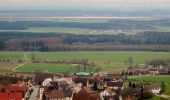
[81, 85]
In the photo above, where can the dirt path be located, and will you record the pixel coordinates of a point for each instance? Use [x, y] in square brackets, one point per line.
[14, 69]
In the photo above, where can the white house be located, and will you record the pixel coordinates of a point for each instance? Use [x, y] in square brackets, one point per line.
[107, 92]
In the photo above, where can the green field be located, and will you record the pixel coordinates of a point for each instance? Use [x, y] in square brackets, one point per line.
[109, 61]
[33, 67]
[157, 78]
[114, 56]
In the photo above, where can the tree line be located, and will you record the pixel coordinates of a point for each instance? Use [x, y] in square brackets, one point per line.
[150, 41]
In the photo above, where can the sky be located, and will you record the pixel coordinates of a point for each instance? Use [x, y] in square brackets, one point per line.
[82, 3]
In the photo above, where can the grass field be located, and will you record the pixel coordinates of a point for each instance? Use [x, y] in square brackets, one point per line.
[157, 78]
[114, 56]
[47, 67]
[109, 61]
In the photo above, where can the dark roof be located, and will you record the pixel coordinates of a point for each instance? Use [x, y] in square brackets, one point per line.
[62, 83]
[94, 79]
[67, 92]
[55, 94]
[112, 97]
[116, 84]
[80, 80]
[12, 80]
[54, 84]
[40, 77]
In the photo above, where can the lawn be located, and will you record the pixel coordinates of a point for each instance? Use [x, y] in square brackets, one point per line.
[35, 67]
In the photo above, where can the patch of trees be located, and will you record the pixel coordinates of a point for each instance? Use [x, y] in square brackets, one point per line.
[147, 41]
[2, 45]
[113, 24]
[33, 46]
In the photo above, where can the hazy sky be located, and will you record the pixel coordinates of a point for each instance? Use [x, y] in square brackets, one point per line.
[83, 3]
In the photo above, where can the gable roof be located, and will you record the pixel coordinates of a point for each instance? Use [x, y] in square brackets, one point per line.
[80, 80]
[85, 90]
[40, 77]
[94, 79]
[109, 91]
[15, 88]
[55, 94]
[86, 96]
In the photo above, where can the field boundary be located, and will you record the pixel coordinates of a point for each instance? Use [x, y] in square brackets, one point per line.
[14, 69]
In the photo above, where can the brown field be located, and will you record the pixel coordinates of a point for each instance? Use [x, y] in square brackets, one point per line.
[7, 66]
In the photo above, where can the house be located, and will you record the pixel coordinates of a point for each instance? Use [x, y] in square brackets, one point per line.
[94, 79]
[115, 85]
[11, 96]
[107, 92]
[111, 97]
[8, 79]
[163, 71]
[67, 79]
[39, 78]
[47, 81]
[86, 94]
[154, 89]
[62, 84]
[153, 71]
[77, 87]
[55, 95]
[82, 80]
[68, 94]
[14, 89]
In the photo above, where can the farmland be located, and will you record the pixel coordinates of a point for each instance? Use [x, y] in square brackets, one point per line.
[47, 67]
[157, 78]
[110, 61]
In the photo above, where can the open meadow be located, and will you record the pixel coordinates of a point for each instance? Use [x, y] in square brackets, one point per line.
[109, 61]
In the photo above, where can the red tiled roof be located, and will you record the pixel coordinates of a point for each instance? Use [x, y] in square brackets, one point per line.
[86, 96]
[10, 96]
[109, 91]
[15, 88]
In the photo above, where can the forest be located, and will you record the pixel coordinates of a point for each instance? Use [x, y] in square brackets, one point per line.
[26, 41]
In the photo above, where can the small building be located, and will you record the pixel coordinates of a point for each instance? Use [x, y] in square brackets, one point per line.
[154, 89]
